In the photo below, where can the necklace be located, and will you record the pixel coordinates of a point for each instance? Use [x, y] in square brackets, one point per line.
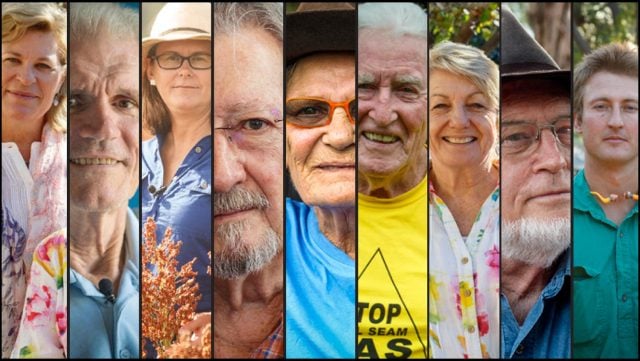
[614, 197]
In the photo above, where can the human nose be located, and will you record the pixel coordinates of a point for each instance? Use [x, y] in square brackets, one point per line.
[228, 163]
[340, 133]
[550, 155]
[459, 117]
[100, 124]
[382, 111]
[26, 75]
[615, 120]
[185, 68]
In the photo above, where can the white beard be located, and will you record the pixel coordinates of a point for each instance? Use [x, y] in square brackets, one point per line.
[537, 242]
[237, 258]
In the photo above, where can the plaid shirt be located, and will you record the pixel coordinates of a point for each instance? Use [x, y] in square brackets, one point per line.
[272, 346]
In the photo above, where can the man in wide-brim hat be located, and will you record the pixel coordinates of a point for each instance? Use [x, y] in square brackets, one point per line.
[320, 126]
[536, 199]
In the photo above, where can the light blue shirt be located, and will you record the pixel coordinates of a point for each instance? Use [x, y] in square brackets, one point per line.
[546, 332]
[184, 205]
[321, 287]
[99, 329]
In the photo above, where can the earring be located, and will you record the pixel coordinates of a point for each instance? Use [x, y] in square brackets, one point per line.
[56, 100]
[152, 82]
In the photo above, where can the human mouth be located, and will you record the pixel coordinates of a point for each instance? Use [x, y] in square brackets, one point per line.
[336, 166]
[553, 195]
[94, 161]
[615, 139]
[459, 140]
[380, 138]
[22, 94]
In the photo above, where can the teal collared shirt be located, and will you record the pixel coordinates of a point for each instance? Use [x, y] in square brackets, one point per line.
[99, 329]
[605, 276]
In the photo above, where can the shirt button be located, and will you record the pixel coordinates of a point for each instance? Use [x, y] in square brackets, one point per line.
[198, 149]
[520, 350]
[471, 329]
[465, 260]
[624, 298]
[124, 353]
[621, 234]
[203, 184]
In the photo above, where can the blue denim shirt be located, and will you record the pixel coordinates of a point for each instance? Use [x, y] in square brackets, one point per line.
[99, 329]
[185, 206]
[546, 332]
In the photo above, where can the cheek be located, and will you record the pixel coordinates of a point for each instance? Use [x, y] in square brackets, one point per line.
[299, 146]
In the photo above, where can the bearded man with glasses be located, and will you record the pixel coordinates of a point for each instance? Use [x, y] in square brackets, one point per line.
[535, 144]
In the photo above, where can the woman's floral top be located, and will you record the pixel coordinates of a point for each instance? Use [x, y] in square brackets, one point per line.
[464, 280]
[43, 328]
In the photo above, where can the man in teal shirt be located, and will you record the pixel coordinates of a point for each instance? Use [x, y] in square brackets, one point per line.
[605, 264]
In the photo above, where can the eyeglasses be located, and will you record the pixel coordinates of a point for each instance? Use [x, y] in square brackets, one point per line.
[171, 61]
[519, 137]
[315, 112]
[252, 133]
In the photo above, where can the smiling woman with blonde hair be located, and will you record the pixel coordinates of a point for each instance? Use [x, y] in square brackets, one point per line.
[34, 145]
[464, 203]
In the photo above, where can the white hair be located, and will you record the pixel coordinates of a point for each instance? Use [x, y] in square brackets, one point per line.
[537, 242]
[93, 21]
[397, 18]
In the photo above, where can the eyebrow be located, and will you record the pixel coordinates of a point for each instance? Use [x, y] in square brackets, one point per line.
[609, 100]
[20, 55]
[246, 107]
[366, 78]
[518, 121]
[407, 79]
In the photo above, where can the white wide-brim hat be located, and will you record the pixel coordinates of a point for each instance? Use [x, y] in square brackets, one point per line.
[179, 21]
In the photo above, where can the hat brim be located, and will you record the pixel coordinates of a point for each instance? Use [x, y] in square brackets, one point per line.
[148, 43]
[311, 32]
[560, 76]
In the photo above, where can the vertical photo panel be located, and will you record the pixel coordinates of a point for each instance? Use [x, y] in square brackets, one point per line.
[464, 180]
[248, 181]
[320, 119]
[392, 180]
[605, 188]
[34, 180]
[175, 187]
[104, 275]
[535, 145]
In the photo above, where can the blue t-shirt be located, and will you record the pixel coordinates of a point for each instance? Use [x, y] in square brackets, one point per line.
[546, 332]
[321, 287]
[98, 328]
[185, 206]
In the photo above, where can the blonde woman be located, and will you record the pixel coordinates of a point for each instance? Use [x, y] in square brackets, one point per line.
[34, 145]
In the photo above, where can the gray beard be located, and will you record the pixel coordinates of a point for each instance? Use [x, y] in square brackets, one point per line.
[238, 257]
[537, 242]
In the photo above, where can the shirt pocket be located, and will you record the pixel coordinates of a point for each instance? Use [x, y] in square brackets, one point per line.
[589, 314]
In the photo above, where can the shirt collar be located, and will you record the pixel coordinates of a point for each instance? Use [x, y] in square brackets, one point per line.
[557, 282]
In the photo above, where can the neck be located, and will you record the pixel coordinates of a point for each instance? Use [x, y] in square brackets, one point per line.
[187, 126]
[23, 133]
[522, 283]
[390, 186]
[464, 182]
[259, 288]
[97, 244]
[607, 178]
[338, 225]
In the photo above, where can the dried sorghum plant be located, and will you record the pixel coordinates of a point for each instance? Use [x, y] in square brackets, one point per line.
[169, 296]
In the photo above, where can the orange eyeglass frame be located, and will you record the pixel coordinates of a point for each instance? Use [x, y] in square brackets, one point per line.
[332, 107]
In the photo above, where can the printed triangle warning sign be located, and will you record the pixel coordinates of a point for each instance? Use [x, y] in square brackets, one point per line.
[389, 309]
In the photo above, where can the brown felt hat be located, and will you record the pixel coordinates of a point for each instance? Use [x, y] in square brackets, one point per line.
[320, 27]
[523, 57]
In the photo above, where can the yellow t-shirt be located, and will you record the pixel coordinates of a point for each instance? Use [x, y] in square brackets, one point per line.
[392, 275]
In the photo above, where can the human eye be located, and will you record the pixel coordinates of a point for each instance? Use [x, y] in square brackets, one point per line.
[77, 102]
[517, 135]
[306, 112]
[254, 124]
[630, 108]
[44, 66]
[125, 103]
[11, 60]
[477, 106]
[600, 106]
[407, 92]
[439, 106]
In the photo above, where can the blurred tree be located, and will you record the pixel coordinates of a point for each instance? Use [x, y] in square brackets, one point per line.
[597, 24]
[475, 24]
[549, 24]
